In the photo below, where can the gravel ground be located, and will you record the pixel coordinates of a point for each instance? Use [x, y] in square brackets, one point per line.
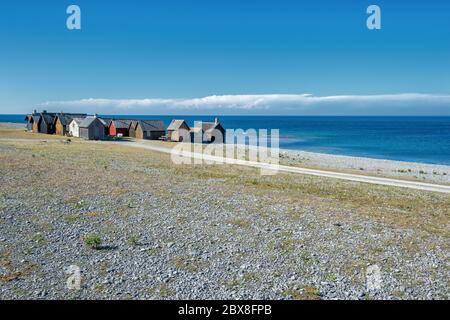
[207, 232]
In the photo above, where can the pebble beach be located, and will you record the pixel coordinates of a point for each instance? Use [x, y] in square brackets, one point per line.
[419, 171]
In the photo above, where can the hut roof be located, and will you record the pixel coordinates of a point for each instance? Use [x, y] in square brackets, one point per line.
[36, 117]
[151, 125]
[107, 121]
[207, 126]
[77, 120]
[88, 121]
[122, 124]
[66, 118]
[176, 124]
[48, 118]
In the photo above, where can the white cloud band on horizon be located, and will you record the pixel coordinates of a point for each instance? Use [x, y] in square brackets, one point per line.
[266, 104]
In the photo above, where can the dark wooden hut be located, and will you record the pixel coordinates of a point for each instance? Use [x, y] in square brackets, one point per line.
[149, 129]
[92, 128]
[46, 123]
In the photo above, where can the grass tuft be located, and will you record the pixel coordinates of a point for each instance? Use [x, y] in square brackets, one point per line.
[93, 241]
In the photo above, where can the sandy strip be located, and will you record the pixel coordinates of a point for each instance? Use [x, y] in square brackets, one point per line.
[13, 125]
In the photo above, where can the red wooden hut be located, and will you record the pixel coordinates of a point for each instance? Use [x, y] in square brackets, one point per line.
[119, 126]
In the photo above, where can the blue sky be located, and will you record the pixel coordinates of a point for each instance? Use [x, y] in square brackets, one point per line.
[249, 53]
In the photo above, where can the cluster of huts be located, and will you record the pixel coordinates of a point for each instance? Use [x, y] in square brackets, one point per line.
[98, 128]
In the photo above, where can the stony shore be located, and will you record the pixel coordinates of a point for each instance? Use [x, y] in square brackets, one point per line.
[205, 232]
[390, 168]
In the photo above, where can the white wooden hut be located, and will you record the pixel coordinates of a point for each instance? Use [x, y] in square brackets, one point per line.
[74, 127]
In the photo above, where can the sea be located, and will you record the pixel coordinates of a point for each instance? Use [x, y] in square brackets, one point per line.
[414, 139]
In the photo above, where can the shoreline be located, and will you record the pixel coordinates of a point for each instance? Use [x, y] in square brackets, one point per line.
[13, 125]
[417, 171]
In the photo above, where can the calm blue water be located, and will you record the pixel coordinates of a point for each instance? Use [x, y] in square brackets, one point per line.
[417, 139]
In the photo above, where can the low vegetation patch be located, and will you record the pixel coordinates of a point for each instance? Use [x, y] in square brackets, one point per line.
[306, 293]
[71, 217]
[38, 238]
[133, 240]
[239, 222]
[165, 291]
[17, 274]
[93, 241]
[188, 263]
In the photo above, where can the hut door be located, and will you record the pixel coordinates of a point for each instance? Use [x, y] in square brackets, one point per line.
[96, 133]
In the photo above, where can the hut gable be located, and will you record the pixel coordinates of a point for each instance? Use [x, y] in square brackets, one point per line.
[177, 124]
[132, 128]
[30, 121]
[106, 122]
[35, 122]
[176, 129]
